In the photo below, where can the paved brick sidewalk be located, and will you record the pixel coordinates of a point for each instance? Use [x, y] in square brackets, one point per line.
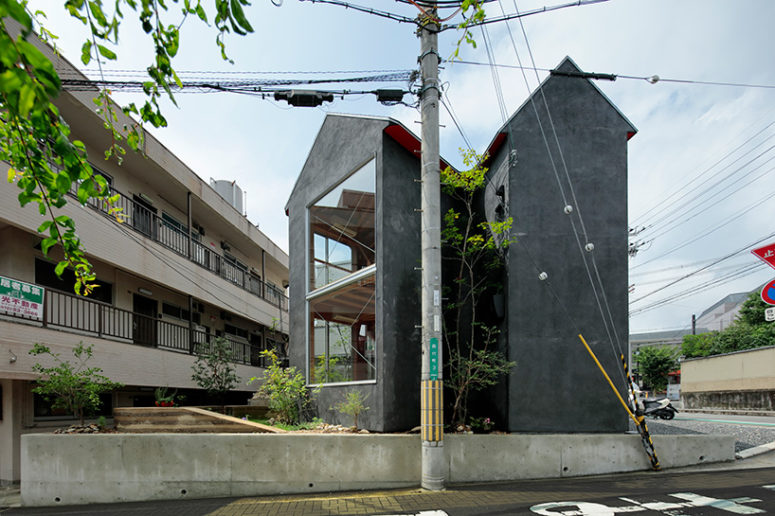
[490, 496]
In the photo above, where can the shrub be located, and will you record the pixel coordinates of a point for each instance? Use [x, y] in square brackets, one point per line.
[286, 389]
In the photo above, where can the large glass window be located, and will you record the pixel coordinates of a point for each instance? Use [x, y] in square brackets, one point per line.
[342, 273]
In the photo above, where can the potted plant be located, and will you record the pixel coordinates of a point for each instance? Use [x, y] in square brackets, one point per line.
[163, 398]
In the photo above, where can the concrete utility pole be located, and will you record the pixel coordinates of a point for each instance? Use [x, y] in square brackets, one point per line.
[434, 465]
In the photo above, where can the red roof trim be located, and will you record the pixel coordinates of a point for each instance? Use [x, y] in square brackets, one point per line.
[494, 147]
[408, 141]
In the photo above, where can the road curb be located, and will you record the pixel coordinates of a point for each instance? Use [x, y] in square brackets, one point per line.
[756, 450]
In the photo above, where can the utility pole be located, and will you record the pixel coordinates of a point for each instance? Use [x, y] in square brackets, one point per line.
[434, 464]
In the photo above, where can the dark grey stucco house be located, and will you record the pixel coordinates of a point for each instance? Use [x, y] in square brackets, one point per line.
[355, 250]
[354, 292]
[556, 385]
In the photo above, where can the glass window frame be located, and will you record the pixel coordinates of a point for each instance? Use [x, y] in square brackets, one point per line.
[311, 294]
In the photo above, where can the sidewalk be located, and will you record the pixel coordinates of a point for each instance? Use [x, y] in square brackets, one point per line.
[468, 496]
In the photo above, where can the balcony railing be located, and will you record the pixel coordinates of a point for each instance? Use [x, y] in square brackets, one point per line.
[73, 313]
[148, 223]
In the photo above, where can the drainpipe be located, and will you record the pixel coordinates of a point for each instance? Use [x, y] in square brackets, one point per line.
[191, 314]
[188, 210]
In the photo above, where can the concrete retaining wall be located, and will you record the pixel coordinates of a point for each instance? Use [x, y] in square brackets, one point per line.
[104, 468]
[748, 370]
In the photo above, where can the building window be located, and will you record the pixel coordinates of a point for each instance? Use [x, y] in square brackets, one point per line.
[342, 287]
[45, 276]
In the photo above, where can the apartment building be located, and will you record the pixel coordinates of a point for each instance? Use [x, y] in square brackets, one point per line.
[181, 267]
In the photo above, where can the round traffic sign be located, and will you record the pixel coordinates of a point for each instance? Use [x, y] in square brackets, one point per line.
[768, 293]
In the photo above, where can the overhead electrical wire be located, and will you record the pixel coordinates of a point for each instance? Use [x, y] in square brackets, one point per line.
[443, 27]
[679, 213]
[708, 207]
[652, 79]
[667, 199]
[742, 272]
[710, 230]
[725, 257]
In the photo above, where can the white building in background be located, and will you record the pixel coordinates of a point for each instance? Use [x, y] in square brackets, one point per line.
[185, 266]
[719, 316]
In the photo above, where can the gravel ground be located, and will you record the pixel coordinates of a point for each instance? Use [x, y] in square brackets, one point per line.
[746, 436]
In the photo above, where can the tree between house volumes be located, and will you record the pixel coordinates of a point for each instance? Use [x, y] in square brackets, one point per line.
[474, 249]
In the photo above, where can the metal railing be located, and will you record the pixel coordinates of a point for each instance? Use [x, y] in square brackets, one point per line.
[68, 312]
[143, 220]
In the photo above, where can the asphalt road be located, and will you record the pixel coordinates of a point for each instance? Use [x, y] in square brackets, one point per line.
[749, 431]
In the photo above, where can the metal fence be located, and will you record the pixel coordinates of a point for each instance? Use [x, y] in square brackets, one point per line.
[71, 312]
[143, 220]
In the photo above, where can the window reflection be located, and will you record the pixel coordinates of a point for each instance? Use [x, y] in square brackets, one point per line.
[342, 244]
[342, 229]
[342, 344]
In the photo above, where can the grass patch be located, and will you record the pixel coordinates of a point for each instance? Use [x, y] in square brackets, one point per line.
[290, 428]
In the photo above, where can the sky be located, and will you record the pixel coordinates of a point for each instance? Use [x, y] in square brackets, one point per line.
[701, 184]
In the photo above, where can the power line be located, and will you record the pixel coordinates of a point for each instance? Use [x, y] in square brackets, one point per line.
[730, 255]
[713, 283]
[443, 27]
[695, 178]
[652, 79]
[736, 216]
[681, 217]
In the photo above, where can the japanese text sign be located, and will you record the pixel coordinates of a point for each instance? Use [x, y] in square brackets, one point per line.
[21, 299]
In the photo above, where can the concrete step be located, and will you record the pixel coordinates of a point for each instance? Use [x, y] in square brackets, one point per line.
[182, 419]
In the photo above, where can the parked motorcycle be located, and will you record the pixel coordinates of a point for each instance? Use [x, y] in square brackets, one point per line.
[659, 407]
[654, 407]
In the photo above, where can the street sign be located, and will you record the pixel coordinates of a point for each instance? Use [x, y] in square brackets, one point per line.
[769, 314]
[434, 359]
[766, 253]
[21, 299]
[768, 293]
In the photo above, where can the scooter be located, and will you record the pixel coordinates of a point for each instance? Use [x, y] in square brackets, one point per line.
[659, 407]
[654, 407]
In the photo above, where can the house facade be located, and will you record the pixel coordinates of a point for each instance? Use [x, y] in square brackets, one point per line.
[555, 385]
[354, 292]
[179, 266]
[558, 167]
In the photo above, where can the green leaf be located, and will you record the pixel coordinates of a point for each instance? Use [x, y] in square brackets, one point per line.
[63, 182]
[86, 52]
[47, 243]
[26, 99]
[239, 16]
[106, 52]
[201, 13]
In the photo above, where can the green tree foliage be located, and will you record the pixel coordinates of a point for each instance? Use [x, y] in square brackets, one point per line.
[750, 330]
[473, 247]
[352, 405]
[752, 311]
[35, 140]
[654, 363]
[71, 386]
[286, 389]
[213, 369]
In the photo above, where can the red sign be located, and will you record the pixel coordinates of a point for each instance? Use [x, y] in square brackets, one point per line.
[768, 293]
[766, 253]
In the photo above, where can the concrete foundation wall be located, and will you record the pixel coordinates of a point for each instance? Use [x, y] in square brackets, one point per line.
[104, 468]
[730, 400]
